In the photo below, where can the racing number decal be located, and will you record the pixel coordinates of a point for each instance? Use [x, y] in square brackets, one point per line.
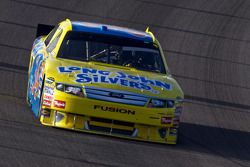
[36, 74]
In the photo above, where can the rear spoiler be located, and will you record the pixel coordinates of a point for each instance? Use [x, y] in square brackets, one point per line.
[43, 29]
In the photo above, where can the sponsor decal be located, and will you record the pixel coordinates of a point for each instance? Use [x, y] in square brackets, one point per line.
[48, 90]
[50, 80]
[35, 76]
[59, 104]
[89, 75]
[176, 121]
[47, 97]
[46, 103]
[166, 120]
[114, 109]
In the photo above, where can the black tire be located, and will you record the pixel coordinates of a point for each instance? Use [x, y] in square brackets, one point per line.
[27, 94]
[41, 101]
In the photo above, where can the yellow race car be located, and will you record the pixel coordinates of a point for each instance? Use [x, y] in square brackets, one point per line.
[103, 79]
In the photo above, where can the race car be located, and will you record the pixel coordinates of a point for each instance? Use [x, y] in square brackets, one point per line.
[103, 79]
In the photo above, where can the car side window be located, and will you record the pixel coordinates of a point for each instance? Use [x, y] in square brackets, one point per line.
[54, 42]
[51, 34]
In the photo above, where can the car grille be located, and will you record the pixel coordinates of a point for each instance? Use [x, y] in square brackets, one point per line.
[110, 126]
[116, 96]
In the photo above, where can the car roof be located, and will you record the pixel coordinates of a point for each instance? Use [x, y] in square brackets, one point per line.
[111, 30]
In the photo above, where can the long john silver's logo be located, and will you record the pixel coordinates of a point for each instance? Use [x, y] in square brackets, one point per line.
[89, 75]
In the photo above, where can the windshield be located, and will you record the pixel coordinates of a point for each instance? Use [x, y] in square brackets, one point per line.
[111, 50]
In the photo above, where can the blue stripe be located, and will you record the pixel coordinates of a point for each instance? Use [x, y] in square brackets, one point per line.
[111, 30]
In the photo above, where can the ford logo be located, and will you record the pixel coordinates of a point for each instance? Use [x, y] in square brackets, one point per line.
[117, 95]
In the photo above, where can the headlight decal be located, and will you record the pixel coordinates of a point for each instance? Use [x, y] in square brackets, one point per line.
[73, 90]
[161, 103]
[60, 86]
[70, 89]
[170, 103]
[178, 111]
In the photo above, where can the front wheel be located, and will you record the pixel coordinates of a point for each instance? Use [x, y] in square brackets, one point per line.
[40, 102]
[27, 95]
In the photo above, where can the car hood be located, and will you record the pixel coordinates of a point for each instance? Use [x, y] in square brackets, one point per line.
[113, 77]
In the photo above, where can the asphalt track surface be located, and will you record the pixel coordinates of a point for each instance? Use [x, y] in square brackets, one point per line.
[207, 45]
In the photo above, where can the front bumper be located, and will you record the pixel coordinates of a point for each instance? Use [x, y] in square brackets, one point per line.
[122, 129]
[108, 118]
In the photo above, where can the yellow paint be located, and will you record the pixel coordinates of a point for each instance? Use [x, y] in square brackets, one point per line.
[79, 110]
